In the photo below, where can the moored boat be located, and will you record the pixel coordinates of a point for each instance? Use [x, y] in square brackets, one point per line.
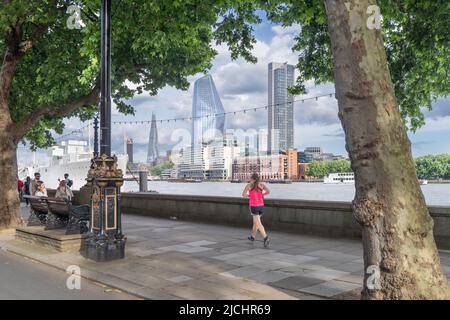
[340, 178]
[286, 181]
[72, 157]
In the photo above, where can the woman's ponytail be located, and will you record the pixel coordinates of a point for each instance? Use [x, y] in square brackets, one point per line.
[255, 178]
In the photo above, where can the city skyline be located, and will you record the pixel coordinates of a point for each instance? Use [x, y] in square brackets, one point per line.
[242, 84]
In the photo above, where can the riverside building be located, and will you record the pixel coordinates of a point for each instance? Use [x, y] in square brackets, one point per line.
[209, 161]
[283, 166]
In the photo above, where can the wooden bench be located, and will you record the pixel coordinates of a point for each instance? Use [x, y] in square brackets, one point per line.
[56, 213]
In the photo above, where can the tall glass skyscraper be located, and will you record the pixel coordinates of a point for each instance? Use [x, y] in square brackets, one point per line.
[281, 108]
[153, 151]
[208, 121]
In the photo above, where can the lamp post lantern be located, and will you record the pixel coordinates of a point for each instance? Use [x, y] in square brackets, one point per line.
[106, 241]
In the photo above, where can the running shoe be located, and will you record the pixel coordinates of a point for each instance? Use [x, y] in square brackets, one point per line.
[266, 242]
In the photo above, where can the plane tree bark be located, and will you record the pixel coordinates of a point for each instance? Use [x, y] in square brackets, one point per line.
[9, 201]
[397, 229]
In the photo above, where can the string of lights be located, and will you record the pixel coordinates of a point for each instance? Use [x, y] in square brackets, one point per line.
[79, 130]
[223, 114]
[302, 100]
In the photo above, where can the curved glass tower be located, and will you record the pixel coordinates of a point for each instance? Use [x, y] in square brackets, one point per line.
[208, 120]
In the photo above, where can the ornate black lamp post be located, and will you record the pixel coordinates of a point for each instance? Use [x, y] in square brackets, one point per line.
[104, 177]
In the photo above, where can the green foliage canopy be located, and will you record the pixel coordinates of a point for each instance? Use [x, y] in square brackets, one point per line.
[159, 43]
[157, 170]
[427, 167]
[319, 168]
[433, 166]
[154, 44]
[417, 43]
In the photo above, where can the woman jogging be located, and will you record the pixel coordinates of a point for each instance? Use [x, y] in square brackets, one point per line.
[256, 191]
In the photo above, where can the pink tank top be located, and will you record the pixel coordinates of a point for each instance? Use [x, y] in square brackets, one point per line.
[256, 198]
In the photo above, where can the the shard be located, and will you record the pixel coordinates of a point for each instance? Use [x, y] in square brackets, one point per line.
[153, 152]
[208, 119]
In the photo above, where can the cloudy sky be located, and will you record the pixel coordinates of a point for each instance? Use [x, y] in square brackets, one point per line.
[244, 85]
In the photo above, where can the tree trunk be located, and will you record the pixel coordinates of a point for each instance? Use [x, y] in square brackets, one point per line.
[389, 205]
[10, 215]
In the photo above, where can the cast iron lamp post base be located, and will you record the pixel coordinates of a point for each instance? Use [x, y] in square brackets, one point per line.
[107, 241]
[105, 250]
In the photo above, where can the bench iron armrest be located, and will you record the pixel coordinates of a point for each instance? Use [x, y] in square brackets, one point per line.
[79, 219]
[82, 212]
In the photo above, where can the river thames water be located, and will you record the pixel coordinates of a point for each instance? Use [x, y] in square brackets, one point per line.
[435, 194]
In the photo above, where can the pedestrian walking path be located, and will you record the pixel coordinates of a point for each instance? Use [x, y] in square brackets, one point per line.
[23, 279]
[171, 259]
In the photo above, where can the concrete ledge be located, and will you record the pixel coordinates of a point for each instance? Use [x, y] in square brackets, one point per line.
[52, 239]
[7, 232]
[328, 218]
[315, 217]
[441, 218]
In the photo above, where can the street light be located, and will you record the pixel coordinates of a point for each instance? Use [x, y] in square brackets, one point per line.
[107, 241]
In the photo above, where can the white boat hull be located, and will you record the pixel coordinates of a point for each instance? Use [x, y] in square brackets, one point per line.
[339, 182]
[340, 178]
[77, 172]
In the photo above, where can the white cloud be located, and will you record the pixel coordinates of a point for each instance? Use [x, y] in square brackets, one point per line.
[280, 30]
[436, 124]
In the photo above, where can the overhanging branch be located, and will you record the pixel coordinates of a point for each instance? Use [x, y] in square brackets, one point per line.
[55, 111]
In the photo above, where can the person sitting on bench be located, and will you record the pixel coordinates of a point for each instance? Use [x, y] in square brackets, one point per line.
[41, 191]
[63, 191]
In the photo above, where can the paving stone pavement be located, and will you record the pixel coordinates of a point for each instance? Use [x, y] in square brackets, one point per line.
[173, 259]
